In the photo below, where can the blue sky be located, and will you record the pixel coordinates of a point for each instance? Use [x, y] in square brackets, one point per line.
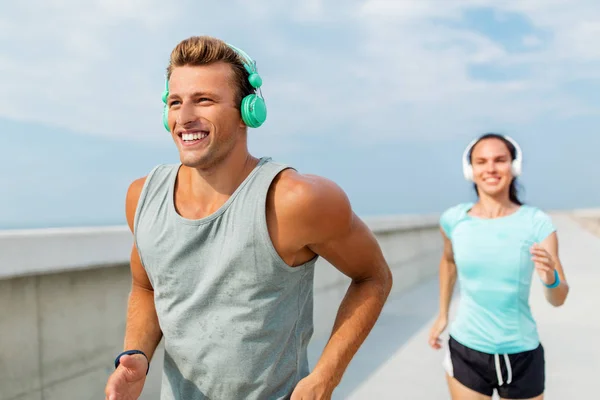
[380, 96]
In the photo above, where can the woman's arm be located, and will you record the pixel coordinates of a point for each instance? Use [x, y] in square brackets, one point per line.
[547, 260]
[447, 276]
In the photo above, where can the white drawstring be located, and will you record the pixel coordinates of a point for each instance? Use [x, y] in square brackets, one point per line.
[508, 368]
[499, 371]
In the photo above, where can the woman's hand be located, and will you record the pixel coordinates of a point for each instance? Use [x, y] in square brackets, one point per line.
[544, 264]
[436, 330]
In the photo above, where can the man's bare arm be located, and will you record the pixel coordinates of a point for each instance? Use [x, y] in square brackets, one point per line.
[142, 331]
[358, 256]
[327, 225]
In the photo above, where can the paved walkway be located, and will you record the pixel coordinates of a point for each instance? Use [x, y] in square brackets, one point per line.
[396, 363]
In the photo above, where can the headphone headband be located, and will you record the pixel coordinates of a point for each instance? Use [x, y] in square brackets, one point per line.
[517, 163]
[247, 61]
[250, 66]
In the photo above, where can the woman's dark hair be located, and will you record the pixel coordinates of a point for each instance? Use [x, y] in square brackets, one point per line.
[512, 192]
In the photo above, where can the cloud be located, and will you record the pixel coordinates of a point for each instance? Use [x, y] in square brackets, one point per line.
[423, 53]
[531, 41]
[65, 62]
[354, 70]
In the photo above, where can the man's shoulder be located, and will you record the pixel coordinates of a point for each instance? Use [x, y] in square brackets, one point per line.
[311, 203]
[135, 188]
[137, 185]
[306, 190]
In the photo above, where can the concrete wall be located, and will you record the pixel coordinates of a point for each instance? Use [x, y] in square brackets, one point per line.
[589, 219]
[64, 292]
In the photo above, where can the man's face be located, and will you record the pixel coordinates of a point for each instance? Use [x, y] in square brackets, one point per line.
[204, 120]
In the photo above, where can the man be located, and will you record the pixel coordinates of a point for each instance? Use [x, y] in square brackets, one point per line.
[224, 251]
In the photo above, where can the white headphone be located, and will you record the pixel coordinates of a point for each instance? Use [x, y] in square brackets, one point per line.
[517, 163]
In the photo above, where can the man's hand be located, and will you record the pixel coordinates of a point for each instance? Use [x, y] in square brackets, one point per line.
[313, 387]
[127, 382]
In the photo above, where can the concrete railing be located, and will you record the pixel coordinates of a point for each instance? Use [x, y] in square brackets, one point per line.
[589, 219]
[64, 293]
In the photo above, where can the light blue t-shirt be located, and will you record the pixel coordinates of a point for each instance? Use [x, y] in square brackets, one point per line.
[494, 273]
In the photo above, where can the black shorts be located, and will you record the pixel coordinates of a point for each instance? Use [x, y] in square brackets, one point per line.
[514, 376]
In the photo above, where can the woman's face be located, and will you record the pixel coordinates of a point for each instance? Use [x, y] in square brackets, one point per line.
[491, 161]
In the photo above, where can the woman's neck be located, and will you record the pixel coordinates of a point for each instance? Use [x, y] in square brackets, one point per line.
[488, 207]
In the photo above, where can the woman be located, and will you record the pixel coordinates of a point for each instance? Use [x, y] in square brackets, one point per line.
[493, 246]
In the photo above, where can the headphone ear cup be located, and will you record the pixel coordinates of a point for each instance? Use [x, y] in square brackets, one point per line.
[165, 118]
[253, 110]
[468, 172]
[516, 168]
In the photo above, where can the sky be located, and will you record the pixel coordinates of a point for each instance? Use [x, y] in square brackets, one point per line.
[379, 96]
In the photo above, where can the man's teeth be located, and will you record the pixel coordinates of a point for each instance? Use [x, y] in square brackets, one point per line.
[193, 136]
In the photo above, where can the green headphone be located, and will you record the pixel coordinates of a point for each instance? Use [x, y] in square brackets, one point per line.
[253, 107]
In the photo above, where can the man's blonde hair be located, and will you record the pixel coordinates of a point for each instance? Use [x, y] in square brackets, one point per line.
[205, 50]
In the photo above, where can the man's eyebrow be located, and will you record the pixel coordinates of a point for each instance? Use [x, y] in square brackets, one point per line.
[204, 93]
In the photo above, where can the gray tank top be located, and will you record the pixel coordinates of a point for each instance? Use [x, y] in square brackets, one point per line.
[236, 318]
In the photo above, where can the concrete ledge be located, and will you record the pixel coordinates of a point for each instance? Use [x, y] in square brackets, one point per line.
[589, 219]
[38, 251]
[405, 222]
[584, 212]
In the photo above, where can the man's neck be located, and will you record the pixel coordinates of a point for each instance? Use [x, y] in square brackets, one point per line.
[211, 187]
